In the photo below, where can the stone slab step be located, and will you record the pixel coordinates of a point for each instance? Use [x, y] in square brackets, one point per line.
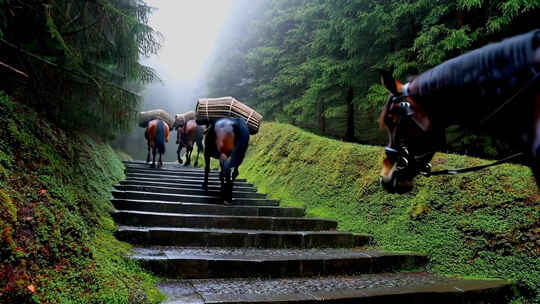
[153, 219]
[185, 173]
[184, 181]
[180, 190]
[169, 236]
[186, 198]
[171, 168]
[172, 176]
[406, 288]
[184, 186]
[208, 209]
[199, 263]
[166, 165]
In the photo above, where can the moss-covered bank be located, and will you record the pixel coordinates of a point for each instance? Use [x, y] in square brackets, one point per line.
[484, 224]
[56, 242]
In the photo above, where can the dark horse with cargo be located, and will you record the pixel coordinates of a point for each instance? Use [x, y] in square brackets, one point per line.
[227, 140]
[495, 88]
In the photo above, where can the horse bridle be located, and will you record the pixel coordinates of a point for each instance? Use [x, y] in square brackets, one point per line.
[398, 151]
[414, 165]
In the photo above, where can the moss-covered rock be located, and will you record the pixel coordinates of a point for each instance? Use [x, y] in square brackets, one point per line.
[56, 243]
[484, 224]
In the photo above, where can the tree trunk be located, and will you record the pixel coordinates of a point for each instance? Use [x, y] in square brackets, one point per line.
[322, 119]
[349, 132]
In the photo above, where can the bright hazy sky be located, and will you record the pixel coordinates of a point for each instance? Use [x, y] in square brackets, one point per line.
[189, 28]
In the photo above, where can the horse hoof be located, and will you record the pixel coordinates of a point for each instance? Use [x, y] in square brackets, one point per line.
[152, 165]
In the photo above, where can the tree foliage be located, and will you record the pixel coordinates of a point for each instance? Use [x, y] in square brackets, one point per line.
[77, 61]
[316, 63]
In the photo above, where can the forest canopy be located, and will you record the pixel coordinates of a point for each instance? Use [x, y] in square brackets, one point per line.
[316, 63]
[77, 62]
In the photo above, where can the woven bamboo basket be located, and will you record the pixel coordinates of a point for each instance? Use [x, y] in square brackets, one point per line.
[146, 117]
[210, 109]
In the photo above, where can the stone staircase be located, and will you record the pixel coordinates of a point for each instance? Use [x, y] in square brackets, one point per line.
[254, 251]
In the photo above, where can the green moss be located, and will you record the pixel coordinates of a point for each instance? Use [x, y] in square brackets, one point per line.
[56, 237]
[483, 224]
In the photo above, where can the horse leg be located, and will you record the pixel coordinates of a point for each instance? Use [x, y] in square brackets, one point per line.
[178, 153]
[206, 171]
[188, 155]
[225, 179]
[148, 156]
[234, 176]
[230, 182]
[160, 163]
[153, 165]
[200, 146]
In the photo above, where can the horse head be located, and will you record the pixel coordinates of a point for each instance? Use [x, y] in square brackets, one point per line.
[411, 138]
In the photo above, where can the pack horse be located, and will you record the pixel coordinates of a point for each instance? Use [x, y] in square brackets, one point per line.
[495, 88]
[227, 140]
[187, 135]
[156, 134]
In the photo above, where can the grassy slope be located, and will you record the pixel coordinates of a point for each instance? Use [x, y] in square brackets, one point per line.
[56, 242]
[480, 224]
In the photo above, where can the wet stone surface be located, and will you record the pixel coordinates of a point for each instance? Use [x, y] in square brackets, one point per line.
[311, 285]
[252, 253]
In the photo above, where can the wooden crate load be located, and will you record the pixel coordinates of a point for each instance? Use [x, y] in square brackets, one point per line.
[181, 119]
[147, 116]
[210, 109]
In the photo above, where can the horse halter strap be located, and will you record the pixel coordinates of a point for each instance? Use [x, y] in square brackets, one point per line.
[398, 150]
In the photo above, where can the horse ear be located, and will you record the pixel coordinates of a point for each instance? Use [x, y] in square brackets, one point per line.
[392, 85]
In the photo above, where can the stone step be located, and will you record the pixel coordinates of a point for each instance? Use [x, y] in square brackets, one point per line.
[169, 236]
[169, 167]
[185, 181]
[157, 219]
[202, 263]
[180, 190]
[208, 209]
[185, 173]
[166, 165]
[406, 288]
[185, 198]
[184, 186]
[172, 176]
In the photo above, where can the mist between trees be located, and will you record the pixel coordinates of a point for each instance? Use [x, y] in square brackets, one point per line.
[311, 63]
[316, 64]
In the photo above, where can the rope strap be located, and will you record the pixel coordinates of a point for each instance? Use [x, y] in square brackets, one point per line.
[249, 117]
[230, 108]
[207, 118]
[475, 168]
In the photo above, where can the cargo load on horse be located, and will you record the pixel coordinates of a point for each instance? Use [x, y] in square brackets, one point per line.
[182, 119]
[209, 110]
[147, 116]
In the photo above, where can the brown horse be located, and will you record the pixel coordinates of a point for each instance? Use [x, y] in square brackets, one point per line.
[156, 134]
[186, 135]
[226, 140]
[471, 90]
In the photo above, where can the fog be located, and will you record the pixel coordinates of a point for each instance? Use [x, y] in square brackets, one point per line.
[190, 32]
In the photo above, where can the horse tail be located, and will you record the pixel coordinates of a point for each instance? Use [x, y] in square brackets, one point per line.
[241, 139]
[160, 137]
